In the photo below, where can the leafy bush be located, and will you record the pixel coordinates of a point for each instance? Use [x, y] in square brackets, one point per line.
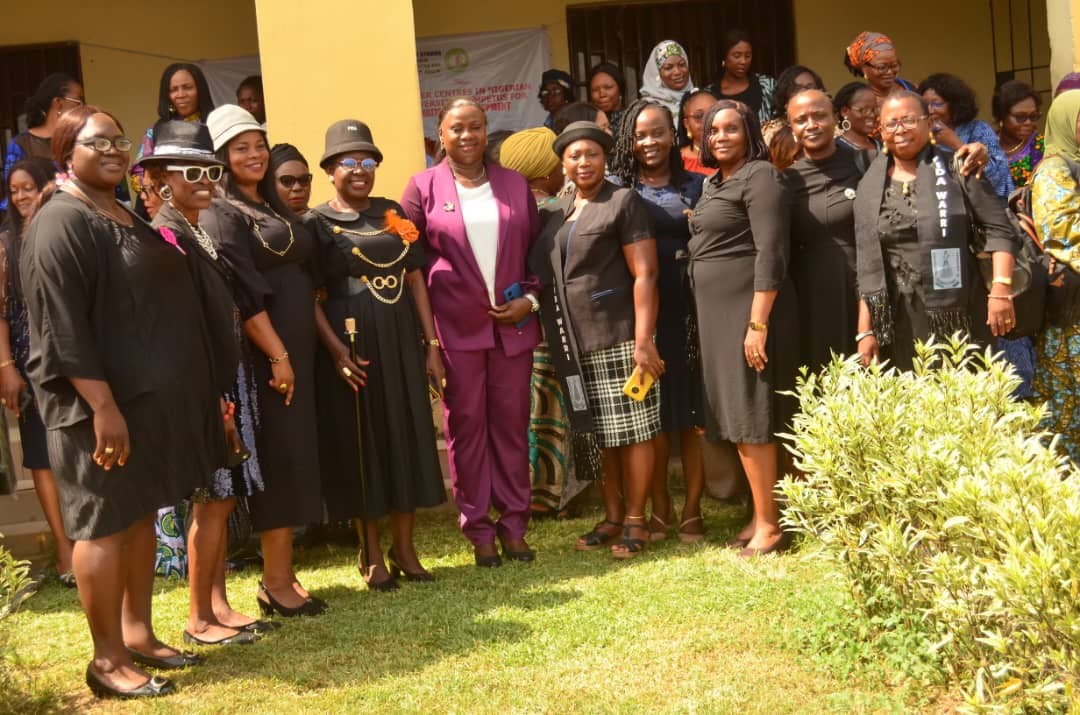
[14, 582]
[951, 514]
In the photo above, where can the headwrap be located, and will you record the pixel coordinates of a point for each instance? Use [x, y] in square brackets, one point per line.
[529, 153]
[653, 88]
[282, 153]
[866, 46]
[561, 78]
[1069, 81]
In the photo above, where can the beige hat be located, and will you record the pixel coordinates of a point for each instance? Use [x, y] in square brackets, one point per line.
[229, 120]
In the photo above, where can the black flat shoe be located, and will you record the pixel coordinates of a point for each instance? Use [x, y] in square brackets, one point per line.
[156, 687]
[525, 555]
[487, 562]
[387, 585]
[172, 662]
[268, 605]
[241, 638]
[420, 576]
[258, 627]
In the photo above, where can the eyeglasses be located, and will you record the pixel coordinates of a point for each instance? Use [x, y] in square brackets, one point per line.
[549, 92]
[884, 69]
[863, 111]
[194, 174]
[350, 164]
[906, 122]
[696, 116]
[289, 181]
[104, 144]
[936, 104]
[1025, 118]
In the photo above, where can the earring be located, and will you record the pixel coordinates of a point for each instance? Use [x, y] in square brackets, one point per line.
[165, 192]
[885, 149]
[845, 125]
[932, 139]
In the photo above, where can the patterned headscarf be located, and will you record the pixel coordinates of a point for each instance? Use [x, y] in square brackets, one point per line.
[530, 153]
[653, 88]
[1061, 125]
[866, 46]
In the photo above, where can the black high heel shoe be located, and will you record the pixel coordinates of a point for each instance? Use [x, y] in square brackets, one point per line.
[420, 576]
[385, 586]
[269, 605]
[156, 687]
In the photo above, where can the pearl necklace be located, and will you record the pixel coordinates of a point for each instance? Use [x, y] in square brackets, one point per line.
[201, 236]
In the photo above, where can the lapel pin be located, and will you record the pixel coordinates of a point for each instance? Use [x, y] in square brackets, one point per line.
[448, 206]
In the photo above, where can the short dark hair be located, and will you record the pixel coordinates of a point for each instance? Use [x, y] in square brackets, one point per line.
[682, 137]
[206, 102]
[37, 105]
[42, 172]
[611, 70]
[68, 128]
[786, 87]
[573, 112]
[253, 81]
[1011, 93]
[959, 95]
[755, 144]
[847, 94]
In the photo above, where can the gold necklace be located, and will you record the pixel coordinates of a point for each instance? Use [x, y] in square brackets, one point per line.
[473, 179]
[380, 283]
[1018, 147]
[360, 254]
[258, 233]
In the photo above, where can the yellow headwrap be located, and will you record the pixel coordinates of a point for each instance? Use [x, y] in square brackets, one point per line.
[529, 153]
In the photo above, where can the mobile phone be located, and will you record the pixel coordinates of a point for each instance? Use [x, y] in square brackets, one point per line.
[515, 291]
[634, 388]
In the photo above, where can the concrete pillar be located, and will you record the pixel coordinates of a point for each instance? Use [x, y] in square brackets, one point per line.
[325, 60]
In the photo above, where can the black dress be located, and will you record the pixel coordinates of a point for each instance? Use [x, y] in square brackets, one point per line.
[272, 271]
[680, 394]
[401, 465]
[823, 254]
[739, 245]
[118, 304]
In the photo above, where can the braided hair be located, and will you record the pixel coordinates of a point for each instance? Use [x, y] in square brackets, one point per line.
[623, 164]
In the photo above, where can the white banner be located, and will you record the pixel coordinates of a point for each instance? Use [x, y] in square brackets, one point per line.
[501, 70]
[225, 75]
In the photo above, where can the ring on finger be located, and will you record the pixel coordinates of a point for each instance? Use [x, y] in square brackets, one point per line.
[346, 372]
[283, 387]
[109, 450]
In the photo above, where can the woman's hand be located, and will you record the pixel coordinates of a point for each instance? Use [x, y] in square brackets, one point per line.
[945, 136]
[647, 359]
[512, 312]
[113, 444]
[869, 350]
[754, 348]
[975, 156]
[283, 380]
[11, 387]
[1000, 314]
[232, 436]
[351, 372]
[436, 370]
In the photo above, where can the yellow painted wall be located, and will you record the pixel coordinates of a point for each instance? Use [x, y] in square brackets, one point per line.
[124, 82]
[325, 60]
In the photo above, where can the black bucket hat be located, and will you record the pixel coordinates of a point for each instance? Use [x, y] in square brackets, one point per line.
[348, 135]
[583, 130]
[177, 140]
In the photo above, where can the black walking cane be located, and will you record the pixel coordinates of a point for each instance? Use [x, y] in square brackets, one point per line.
[350, 330]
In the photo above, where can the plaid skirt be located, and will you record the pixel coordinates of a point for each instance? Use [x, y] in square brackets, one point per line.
[617, 420]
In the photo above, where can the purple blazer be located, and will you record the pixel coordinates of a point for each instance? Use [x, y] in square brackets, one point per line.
[459, 297]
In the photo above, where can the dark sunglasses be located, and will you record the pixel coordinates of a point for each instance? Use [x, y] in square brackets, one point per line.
[289, 181]
[1023, 118]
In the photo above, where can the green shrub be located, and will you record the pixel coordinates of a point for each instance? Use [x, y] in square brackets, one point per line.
[950, 515]
[14, 582]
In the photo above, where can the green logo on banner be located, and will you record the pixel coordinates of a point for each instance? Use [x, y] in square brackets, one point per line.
[456, 59]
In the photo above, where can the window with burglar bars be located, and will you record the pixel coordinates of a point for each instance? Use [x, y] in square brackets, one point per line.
[624, 34]
[1021, 44]
[21, 70]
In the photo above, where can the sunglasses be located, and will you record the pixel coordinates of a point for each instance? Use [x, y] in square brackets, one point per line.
[104, 144]
[350, 164]
[1024, 118]
[289, 181]
[194, 174]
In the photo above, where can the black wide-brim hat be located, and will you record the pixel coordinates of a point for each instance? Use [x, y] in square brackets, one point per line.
[576, 131]
[177, 140]
[348, 135]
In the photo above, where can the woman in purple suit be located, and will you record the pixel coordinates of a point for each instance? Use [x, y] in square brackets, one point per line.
[477, 222]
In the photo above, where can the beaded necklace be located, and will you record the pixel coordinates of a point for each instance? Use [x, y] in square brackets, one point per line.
[201, 236]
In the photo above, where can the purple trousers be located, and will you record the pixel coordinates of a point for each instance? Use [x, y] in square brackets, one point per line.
[487, 441]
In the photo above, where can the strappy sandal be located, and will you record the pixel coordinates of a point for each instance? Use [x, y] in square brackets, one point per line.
[688, 537]
[596, 539]
[661, 533]
[631, 547]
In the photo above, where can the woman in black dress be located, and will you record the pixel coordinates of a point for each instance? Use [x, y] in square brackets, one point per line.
[739, 236]
[917, 274]
[822, 184]
[737, 82]
[269, 253]
[371, 264]
[647, 158]
[115, 318]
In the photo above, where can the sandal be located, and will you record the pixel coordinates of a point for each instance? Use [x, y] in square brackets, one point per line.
[67, 579]
[689, 537]
[631, 547]
[661, 533]
[596, 539]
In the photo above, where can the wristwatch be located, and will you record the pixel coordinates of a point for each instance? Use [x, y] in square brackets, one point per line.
[535, 302]
[863, 334]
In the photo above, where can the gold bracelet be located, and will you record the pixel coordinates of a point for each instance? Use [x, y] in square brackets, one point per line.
[434, 343]
[280, 358]
[6, 363]
[1003, 280]
[757, 327]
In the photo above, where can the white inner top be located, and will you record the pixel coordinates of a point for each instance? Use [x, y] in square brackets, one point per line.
[481, 215]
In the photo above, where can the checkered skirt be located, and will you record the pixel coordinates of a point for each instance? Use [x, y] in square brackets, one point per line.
[618, 421]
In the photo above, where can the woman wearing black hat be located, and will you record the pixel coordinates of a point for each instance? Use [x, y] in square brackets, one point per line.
[371, 263]
[269, 253]
[556, 91]
[292, 178]
[597, 259]
[183, 165]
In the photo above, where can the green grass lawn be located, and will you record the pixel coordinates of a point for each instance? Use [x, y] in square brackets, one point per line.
[682, 628]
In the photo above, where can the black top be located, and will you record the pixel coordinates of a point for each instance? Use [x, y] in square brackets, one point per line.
[599, 285]
[720, 225]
